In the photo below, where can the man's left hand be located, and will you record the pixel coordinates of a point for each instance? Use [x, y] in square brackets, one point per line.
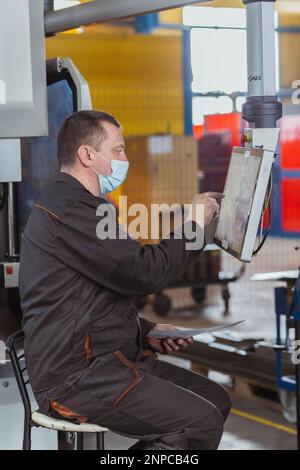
[167, 345]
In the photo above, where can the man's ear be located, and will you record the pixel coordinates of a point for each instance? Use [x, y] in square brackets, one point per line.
[84, 156]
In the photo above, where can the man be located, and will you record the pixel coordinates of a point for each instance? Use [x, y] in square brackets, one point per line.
[87, 350]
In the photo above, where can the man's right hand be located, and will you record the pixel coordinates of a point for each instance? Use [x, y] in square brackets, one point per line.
[211, 202]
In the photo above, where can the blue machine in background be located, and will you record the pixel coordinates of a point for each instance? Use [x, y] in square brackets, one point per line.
[290, 309]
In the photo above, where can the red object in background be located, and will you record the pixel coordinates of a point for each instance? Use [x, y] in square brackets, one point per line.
[290, 142]
[266, 219]
[290, 191]
[220, 133]
[225, 122]
[198, 131]
[9, 270]
[214, 151]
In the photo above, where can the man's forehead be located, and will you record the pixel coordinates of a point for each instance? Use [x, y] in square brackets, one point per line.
[113, 132]
[111, 128]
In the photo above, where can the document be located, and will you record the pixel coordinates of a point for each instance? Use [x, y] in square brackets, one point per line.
[189, 333]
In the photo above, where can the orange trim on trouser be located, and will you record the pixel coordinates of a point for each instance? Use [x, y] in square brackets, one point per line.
[67, 412]
[87, 348]
[138, 376]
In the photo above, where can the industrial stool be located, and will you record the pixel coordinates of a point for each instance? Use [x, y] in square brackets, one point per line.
[37, 419]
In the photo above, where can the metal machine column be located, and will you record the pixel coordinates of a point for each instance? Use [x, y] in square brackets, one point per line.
[12, 245]
[262, 108]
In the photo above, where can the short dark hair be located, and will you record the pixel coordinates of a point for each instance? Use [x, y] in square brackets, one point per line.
[81, 128]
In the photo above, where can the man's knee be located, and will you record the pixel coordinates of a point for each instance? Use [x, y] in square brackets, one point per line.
[214, 421]
[207, 433]
[221, 399]
[224, 402]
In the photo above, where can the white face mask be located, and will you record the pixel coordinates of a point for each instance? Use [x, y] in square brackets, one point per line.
[118, 175]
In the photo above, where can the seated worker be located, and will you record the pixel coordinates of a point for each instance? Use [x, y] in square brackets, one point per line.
[87, 351]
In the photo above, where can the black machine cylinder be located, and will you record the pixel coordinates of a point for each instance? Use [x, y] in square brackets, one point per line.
[262, 111]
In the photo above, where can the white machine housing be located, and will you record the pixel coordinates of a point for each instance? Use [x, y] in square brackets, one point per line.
[23, 98]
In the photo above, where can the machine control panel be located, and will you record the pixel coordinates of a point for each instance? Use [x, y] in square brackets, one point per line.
[9, 275]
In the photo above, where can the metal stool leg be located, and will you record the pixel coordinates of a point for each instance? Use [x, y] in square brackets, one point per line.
[27, 436]
[80, 441]
[66, 440]
[27, 411]
[100, 440]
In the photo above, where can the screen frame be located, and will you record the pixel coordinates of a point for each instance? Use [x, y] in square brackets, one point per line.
[255, 210]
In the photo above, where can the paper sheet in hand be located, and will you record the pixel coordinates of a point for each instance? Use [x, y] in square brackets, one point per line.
[188, 333]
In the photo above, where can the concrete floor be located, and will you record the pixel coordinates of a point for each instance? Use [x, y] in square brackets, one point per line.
[254, 423]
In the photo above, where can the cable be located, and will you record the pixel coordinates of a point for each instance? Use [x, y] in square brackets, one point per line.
[270, 188]
[265, 236]
[267, 205]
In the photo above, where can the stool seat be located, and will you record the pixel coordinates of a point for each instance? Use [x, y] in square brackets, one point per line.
[61, 425]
